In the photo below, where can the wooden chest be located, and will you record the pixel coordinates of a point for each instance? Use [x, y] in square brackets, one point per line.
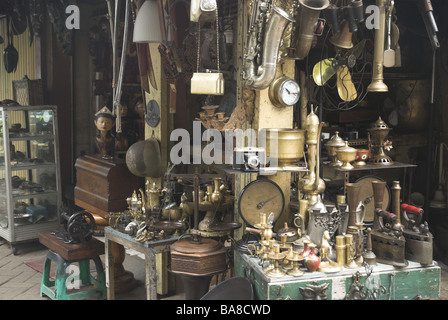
[102, 186]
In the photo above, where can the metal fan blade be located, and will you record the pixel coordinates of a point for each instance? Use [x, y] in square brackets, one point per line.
[324, 70]
[346, 88]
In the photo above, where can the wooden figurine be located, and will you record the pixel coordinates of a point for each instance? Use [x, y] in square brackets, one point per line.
[104, 142]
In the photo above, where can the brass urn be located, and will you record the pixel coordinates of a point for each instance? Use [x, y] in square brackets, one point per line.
[332, 146]
[346, 154]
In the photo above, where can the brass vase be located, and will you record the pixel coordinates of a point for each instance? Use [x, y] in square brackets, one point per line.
[352, 200]
[379, 188]
[216, 196]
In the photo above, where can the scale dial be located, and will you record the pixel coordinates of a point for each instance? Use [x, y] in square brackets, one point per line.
[261, 196]
[284, 92]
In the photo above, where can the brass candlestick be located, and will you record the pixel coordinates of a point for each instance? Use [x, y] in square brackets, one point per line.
[272, 244]
[287, 263]
[369, 256]
[296, 259]
[276, 256]
[397, 203]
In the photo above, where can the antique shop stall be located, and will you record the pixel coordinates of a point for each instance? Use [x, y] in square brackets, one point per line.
[256, 149]
[279, 150]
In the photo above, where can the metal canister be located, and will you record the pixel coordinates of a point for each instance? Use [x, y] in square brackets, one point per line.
[340, 250]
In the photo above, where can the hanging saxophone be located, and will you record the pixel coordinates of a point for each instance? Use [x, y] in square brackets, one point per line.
[266, 28]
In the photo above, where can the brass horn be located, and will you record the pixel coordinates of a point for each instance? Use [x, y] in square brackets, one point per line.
[377, 84]
[307, 18]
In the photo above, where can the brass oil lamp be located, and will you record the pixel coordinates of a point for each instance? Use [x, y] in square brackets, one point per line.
[378, 132]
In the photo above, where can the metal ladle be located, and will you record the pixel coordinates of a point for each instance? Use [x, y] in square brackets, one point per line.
[10, 54]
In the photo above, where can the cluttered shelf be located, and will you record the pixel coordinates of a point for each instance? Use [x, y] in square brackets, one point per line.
[371, 166]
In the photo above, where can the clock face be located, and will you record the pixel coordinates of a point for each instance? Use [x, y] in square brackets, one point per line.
[289, 92]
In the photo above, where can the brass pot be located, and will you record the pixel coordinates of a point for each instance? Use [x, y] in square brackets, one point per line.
[335, 143]
[346, 154]
[290, 145]
[172, 214]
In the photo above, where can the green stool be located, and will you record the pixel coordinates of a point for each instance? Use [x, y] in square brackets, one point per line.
[66, 255]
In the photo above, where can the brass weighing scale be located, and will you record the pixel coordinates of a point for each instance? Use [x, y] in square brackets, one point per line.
[259, 196]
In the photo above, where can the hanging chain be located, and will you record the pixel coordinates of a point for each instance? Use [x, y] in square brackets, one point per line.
[217, 41]
[217, 35]
[198, 37]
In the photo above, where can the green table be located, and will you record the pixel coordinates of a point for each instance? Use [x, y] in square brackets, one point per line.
[397, 284]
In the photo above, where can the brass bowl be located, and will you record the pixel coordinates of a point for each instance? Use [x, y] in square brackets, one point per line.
[346, 155]
[290, 145]
[362, 155]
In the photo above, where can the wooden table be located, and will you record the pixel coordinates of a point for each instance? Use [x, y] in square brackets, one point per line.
[148, 248]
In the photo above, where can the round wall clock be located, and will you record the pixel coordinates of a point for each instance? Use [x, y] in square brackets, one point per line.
[284, 92]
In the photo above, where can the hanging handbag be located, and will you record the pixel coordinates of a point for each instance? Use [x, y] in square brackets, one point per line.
[199, 7]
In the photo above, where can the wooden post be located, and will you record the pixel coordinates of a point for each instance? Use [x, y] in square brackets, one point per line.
[266, 116]
[162, 133]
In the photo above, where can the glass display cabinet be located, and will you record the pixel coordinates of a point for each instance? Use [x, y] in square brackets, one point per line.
[30, 190]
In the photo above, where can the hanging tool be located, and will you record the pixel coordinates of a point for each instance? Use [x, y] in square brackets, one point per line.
[389, 53]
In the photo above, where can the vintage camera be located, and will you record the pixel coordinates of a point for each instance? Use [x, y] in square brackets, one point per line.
[249, 159]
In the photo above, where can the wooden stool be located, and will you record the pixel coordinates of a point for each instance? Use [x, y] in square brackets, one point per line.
[63, 255]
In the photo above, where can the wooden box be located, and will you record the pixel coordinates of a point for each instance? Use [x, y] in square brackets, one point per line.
[102, 186]
[28, 92]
